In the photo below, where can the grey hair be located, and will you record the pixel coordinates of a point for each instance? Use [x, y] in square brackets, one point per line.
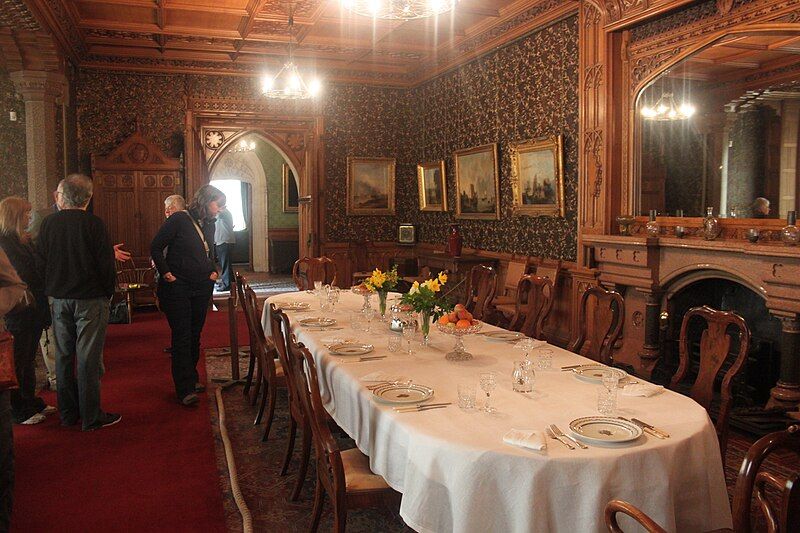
[760, 202]
[77, 190]
[176, 200]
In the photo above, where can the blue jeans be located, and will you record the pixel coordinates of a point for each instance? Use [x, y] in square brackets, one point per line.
[79, 328]
[224, 252]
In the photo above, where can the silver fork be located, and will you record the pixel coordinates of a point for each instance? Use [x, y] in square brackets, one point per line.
[553, 436]
[555, 429]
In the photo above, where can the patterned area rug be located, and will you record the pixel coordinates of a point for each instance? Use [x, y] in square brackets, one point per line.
[267, 493]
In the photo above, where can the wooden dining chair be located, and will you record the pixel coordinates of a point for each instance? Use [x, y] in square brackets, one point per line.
[533, 305]
[481, 288]
[505, 302]
[239, 282]
[781, 518]
[282, 337]
[607, 312]
[310, 269]
[344, 475]
[715, 345]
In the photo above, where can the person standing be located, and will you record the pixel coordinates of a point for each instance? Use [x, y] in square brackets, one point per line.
[12, 294]
[224, 240]
[188, 273]
[80, 278]
[28, 323]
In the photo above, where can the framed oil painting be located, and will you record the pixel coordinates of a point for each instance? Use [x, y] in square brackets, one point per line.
[537, 177]
[477, 183]
[432, 186]
[290, 195]
[370, 185]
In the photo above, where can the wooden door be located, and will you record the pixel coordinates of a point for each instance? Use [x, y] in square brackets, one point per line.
[115, 203]
[152, 189]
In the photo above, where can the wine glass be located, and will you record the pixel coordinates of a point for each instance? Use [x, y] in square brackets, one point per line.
[333, 297]
[488, 382]
[525, 346]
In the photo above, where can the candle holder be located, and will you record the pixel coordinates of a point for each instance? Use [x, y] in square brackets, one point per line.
[752, 235]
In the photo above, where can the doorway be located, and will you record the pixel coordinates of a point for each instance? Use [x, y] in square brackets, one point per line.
[238, 195]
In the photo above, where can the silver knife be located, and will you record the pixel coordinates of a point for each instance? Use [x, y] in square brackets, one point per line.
[422, 407]
[557, 431]
[650, 429]
[559, 439]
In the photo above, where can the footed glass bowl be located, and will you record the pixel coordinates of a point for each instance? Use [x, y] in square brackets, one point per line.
[459, 353]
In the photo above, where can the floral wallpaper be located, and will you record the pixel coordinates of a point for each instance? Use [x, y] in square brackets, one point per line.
[13, 165]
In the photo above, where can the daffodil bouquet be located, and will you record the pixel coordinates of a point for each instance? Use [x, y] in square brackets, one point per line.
[382, 283]
[426, 297]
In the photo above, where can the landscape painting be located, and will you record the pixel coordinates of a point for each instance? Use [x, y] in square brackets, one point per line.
[537, 177]
[477, 183]
[370, 186]
[432, 186]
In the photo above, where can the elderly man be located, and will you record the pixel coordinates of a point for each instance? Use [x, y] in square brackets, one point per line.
[80, 280]
[173, 204]
[760, 207]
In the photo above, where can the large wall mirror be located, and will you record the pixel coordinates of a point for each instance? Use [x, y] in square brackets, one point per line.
[720, 129]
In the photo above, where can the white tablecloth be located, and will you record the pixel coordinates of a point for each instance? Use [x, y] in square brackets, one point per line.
[455, 472]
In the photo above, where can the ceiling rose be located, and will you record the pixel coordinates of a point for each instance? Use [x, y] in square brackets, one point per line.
[399, 9]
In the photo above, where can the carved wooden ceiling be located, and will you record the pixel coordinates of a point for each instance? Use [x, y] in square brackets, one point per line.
[247, 37]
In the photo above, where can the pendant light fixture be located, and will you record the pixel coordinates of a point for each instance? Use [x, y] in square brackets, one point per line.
[288, 84]
[399, 9]
[666, 109]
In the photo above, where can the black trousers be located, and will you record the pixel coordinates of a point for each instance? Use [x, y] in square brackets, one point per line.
[224, 255]
[185, 305]
[24, 402]
[6, 461]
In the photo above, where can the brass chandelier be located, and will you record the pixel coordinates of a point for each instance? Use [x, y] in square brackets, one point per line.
[399, 9]
[666, 109]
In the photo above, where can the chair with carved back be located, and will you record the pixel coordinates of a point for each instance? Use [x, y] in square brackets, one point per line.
[128, 273]
[310, 269]
[781, 518]
[239, 282]
[282, 337]
[344, 475]
[715, 345]
[600, 318]
[533, 305]
[481, 288]
[503, 305]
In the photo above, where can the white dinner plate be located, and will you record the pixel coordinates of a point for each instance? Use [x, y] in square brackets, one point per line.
[402, 393]
[595, 373]
[502, 336]
[350, 348]
[604, 430]
[318, 322]
[292, 306]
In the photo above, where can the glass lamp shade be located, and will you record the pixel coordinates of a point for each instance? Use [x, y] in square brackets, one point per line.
[666, 109]
[399, 9]
[288, 84]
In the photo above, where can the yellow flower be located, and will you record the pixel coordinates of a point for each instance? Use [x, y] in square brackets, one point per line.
[377, 279]
[442, 277]
[432, 285]
[414, 288]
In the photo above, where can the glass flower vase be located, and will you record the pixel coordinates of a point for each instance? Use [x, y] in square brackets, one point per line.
[425, 325]
[382, 304]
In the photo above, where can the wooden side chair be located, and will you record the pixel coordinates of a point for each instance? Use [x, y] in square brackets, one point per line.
[533, 305]
[715, 344]
[344, 475]
[310, 269]
[505, 303]
[607, 312]
[240, 282]
[481, 288]
[282, 337]
[783, 518]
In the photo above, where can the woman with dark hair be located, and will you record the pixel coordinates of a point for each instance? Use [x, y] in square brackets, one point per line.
[28, 323]
[188, 272]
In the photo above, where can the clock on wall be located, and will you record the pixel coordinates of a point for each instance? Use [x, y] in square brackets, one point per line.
[214, 139]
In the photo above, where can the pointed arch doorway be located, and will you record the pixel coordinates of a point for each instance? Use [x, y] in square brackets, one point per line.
[215, 125]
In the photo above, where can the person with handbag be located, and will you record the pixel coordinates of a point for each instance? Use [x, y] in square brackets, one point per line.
[187, 274]
[26, 324]
[12, 294]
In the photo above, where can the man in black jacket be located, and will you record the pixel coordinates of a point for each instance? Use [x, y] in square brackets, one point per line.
[80, 278]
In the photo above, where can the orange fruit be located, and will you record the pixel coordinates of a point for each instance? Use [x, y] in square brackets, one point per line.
[459, 307]
[443, 320]
[452, 317]
[463, 324]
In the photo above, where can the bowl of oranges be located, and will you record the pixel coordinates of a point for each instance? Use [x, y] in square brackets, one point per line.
[459, 322]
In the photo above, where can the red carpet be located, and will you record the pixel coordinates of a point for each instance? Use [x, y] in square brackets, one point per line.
[153, 471]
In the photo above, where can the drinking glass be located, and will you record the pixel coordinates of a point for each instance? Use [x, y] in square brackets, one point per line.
[488, 381]
[356, 320]
[525, 346]
[333, 297]
[317, 286]
[607, 396]
[395, 343]
[544, 358]
[409, 332]
[523, 376]
[467, 393]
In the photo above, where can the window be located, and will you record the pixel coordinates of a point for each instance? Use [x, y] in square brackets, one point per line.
[234, 201]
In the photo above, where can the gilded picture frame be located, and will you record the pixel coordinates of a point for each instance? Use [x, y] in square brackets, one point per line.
[477, 183]
[432, 184]
[370, 185]
[290, 194]
[537, 177]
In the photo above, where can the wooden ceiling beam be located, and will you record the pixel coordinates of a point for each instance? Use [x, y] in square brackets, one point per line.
[161, 16]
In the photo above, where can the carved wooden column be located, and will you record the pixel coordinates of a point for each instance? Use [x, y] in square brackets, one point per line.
[787, 391]
[41, 91]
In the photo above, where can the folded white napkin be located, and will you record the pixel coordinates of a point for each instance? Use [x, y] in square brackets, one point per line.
[526, 438]
[380, 375]
[642, 389]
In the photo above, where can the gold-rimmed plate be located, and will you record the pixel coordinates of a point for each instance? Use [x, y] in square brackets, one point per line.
[594, 373]
[604, 430]
[318, 322]
[350, 348]
[292, 306]
[502, 336]
[403, 393]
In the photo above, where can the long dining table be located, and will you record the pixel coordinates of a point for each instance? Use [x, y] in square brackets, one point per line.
[455, 472]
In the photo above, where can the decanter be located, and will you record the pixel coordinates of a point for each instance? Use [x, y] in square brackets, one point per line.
[790, 234]
[652, 227]
[711, 227]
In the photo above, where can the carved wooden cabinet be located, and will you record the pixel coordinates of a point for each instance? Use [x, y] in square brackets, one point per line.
[130, 185]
